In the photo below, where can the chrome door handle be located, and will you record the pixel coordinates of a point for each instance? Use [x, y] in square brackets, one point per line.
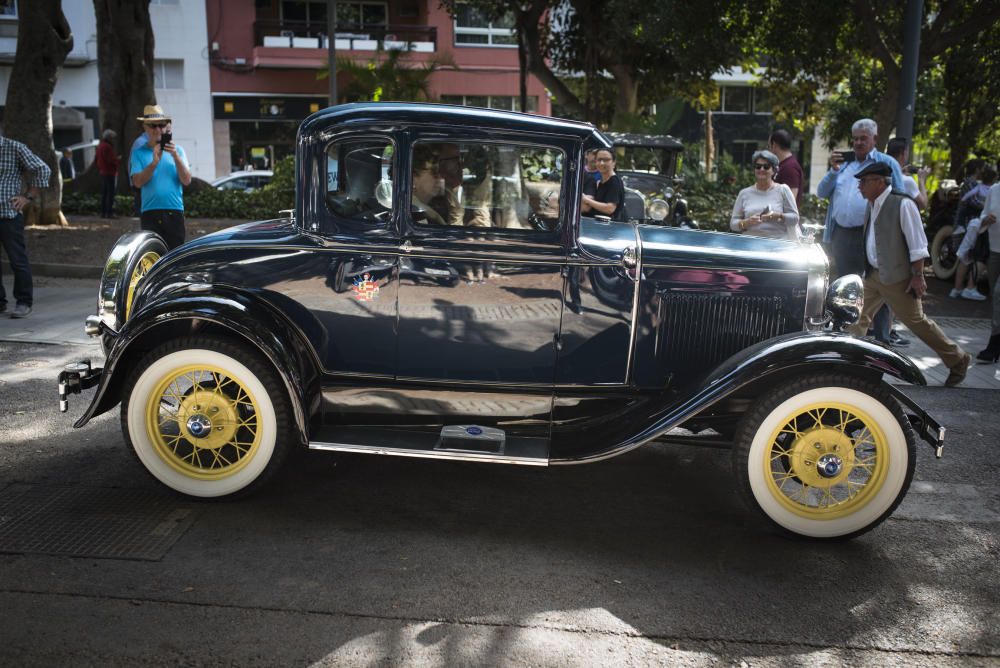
[630, 258]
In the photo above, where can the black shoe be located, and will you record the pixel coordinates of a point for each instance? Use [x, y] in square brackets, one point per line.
[992, 351]
[896, 340]
[3, 307]
[957, 372]
[21, 311]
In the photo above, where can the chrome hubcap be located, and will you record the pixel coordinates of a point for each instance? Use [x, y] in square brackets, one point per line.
[199, 426]
[829, 466]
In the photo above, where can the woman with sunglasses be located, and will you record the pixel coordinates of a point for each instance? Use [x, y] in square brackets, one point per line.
[766, 209]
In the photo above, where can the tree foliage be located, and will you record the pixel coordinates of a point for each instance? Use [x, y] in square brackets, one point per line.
[43, 41]
[645, 50]
[385, 78]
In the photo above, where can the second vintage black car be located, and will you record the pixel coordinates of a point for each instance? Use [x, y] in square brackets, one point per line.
[437, 294]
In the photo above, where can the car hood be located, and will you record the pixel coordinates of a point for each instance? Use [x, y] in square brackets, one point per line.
[671, 246]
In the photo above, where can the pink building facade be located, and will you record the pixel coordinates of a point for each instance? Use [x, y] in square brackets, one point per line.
[265, 57]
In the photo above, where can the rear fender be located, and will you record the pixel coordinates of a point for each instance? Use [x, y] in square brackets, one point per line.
[240, 315]
[801, 352]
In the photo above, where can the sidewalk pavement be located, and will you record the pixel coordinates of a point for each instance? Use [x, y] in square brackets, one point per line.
[61, 304]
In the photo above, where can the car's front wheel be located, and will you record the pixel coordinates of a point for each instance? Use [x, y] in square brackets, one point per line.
[206, 417]
[829, 456]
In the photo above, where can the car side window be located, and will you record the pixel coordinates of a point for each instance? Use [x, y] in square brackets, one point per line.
[359, 179]
[492, 185]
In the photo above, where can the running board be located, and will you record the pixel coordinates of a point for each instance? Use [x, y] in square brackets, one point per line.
[428, 445]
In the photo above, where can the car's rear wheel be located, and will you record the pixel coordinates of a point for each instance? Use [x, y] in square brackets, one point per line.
[825, 457]
[206, 417]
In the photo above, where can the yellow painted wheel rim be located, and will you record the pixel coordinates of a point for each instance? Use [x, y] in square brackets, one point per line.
[826, 461]
[203, 422]
[142, 267]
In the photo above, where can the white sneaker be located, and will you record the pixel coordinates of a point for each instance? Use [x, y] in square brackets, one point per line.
[955, 293]
[973, 294]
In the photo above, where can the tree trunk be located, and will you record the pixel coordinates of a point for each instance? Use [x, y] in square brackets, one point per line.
[522, 71]
[43, 40]
[626, 97]
[885, 114]
[527, 24]
[125, 69]
[709, 143]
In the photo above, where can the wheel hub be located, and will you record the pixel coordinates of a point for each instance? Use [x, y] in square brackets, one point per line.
[199, 425]
[822, 456]
[209, 418]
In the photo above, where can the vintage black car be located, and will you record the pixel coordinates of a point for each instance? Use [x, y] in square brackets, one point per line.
[437, 294]
[647, 164]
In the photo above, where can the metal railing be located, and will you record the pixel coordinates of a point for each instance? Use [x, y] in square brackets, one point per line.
[390, 34]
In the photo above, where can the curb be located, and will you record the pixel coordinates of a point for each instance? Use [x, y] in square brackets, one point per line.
[60, 270]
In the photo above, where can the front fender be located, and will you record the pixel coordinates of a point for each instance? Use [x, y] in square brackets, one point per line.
[800, 351]
[245, 316]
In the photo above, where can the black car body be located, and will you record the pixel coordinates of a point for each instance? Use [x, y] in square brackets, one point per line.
[496, 325]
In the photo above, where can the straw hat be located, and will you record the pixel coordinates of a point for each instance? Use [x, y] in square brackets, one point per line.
[152, 112]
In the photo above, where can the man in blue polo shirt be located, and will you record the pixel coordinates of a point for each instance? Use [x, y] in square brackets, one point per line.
[160, 169]
[845, 217]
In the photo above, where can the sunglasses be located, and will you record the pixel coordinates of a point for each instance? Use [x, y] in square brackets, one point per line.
[762, 165]
[156, 125]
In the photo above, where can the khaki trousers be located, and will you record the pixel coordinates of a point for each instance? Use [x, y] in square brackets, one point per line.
[909, 311]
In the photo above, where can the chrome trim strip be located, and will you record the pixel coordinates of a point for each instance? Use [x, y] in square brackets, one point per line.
[718, 267]
[636, 285]
[466, 456]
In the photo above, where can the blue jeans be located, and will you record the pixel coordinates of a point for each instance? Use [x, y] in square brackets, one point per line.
[12, 240]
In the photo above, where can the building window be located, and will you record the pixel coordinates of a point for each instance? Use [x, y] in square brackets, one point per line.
[507, 102]
[8, 9]
[473, 28]
[361, 14]
[742, 150]
[743, 100]
[168, 74]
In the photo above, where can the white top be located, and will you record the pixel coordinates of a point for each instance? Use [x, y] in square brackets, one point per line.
[909, 221]
[753, 201]
[992, 205]
[910, 186]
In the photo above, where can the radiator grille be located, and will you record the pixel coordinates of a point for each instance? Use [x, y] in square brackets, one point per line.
[700, 331]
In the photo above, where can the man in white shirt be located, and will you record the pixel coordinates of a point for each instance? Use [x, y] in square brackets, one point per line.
[895, 249]
[991, 225]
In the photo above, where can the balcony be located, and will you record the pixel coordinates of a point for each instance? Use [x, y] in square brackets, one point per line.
[313, 35]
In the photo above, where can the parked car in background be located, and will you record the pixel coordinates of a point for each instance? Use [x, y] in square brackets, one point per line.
[437, 294]
[648, 166]
[246, 180]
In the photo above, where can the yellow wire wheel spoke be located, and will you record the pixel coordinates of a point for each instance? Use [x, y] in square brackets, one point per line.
[203, 421]
[142, 267]
[826, 460]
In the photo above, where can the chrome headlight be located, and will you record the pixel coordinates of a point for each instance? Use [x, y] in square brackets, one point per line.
[657, 209]
[845, 300]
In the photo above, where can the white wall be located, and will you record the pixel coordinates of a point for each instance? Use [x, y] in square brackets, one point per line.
[181, 32]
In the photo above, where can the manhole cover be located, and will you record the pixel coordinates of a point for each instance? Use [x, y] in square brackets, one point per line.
[90, 522]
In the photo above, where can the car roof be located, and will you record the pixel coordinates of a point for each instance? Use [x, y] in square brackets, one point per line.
[442, 114]
[654, 141]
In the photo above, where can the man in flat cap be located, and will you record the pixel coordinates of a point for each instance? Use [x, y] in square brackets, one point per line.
[895, 248]
[160, 168]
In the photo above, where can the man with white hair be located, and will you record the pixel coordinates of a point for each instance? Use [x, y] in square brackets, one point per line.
[894, 249]
[845, 217]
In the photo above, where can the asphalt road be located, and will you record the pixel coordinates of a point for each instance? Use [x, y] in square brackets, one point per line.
[643, 560]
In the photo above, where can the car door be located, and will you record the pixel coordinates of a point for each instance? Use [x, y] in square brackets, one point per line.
[481, 268]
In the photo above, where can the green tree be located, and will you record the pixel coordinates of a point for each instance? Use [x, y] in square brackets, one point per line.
[812, 46]
[646, 49]
[386, 78]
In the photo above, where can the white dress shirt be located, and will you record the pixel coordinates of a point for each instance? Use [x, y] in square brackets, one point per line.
[992, 205]
[909, 221]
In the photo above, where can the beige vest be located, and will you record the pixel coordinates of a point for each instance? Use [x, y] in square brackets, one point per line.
[891, 250]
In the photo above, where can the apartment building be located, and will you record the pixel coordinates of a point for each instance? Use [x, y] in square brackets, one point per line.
[238, 76]
[266, 56]
[181, 78]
